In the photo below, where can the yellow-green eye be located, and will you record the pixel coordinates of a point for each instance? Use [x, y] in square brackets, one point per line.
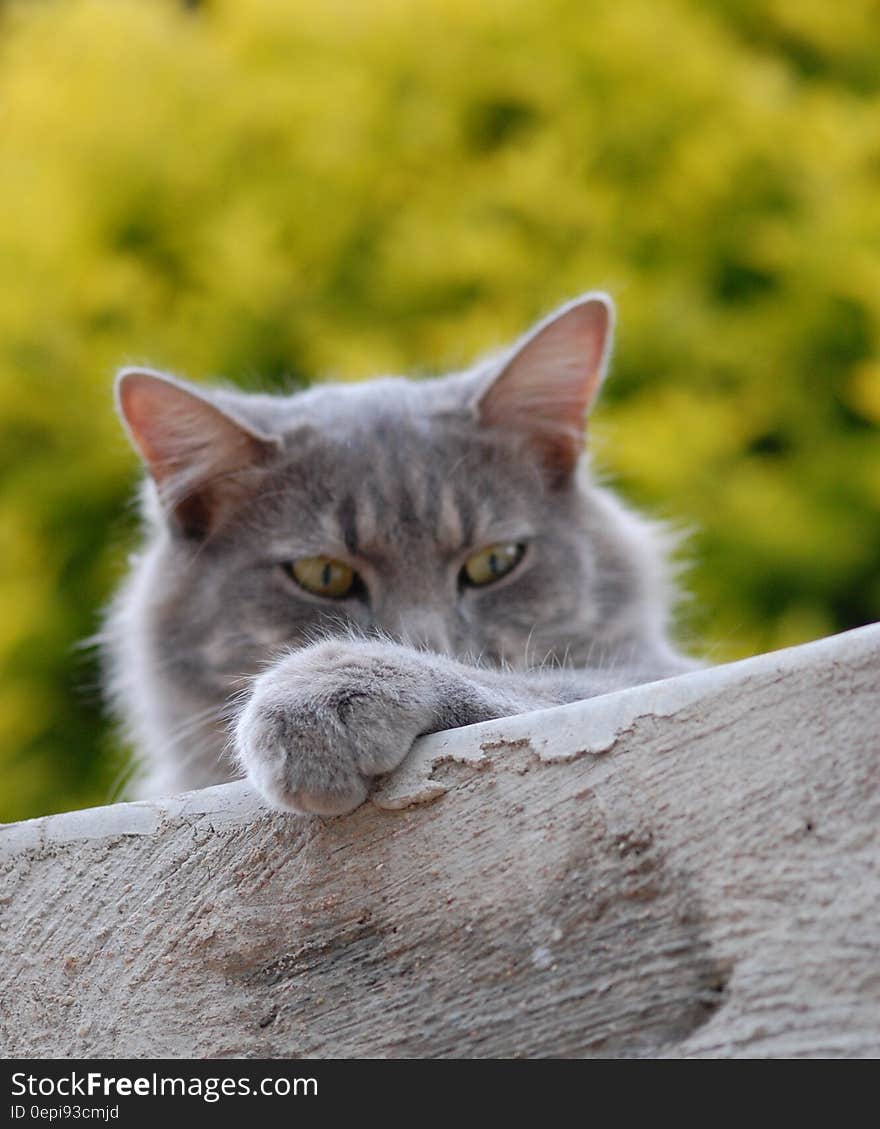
[323, 576]
[492, 563]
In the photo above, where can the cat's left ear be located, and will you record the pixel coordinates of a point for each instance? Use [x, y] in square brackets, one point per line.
[545, 389]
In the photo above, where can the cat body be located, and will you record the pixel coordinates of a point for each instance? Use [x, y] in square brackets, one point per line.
[327, 575]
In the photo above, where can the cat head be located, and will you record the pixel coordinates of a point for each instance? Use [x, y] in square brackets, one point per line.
[454, 513]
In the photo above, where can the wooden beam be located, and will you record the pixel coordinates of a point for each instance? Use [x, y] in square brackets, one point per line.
[690, 868]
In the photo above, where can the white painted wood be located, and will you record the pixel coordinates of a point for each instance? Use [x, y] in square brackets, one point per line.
[690, 868]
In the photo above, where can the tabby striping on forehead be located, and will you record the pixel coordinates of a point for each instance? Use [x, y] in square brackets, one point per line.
[328, 574]
[454, 527]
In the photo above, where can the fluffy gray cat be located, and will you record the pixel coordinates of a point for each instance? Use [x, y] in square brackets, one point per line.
[330, 574]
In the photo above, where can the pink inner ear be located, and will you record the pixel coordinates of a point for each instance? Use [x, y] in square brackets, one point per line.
[198, 456]
[591, 329]
[546, 389]
[148, 405]
[175, 429]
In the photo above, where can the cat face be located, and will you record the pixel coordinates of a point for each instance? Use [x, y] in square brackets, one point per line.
[451, 514]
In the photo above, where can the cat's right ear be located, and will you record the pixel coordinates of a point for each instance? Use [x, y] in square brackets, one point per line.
[203, 461]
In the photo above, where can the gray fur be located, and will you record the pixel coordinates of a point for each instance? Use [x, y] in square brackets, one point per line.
[209, 637]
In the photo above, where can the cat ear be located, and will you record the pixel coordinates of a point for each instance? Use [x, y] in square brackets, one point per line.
[546, 388]
[201, 459]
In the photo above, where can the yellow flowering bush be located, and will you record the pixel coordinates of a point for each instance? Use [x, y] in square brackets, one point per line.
[277, 189]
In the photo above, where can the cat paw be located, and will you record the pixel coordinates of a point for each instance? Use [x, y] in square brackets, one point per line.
[326, 719]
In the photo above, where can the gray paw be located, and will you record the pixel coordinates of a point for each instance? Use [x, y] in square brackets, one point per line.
[323, 721]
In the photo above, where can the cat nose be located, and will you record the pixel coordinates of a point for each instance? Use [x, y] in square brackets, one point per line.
[423, 629]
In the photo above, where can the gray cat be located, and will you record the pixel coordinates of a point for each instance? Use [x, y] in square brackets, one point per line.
[329, 574]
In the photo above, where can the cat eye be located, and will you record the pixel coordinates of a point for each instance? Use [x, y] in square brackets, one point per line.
[491, 564]
[324, 576]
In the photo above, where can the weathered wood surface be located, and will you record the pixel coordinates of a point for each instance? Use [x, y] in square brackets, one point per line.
[690, 868]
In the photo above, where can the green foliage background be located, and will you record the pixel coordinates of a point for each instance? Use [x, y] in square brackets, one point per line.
[270, 188]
